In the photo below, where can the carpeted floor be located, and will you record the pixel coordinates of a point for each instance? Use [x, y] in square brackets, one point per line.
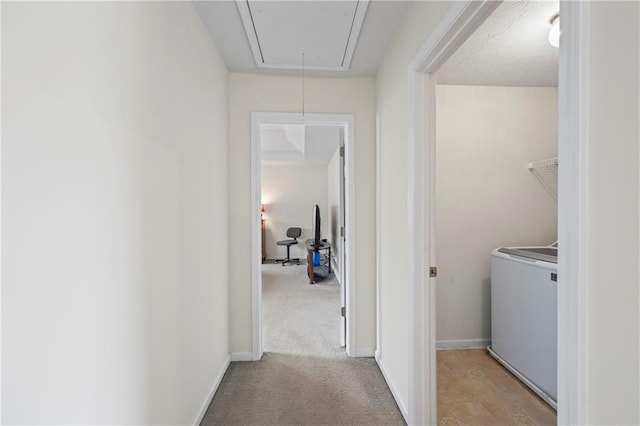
[299, 318]
[304, 377]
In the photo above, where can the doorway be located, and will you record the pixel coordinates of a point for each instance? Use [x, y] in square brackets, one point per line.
[340, 223]
[463, 19]
[490, 125]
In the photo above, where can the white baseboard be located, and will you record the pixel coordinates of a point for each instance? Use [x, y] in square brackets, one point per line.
[364, 353]
[212, 392]
[336, 271]
[241, 356]
[394, 392]
[376, 355]
[448, 345]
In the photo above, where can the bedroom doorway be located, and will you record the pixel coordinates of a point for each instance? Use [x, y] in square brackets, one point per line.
[288, 180]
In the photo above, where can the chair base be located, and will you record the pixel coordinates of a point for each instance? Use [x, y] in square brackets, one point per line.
[288, 260]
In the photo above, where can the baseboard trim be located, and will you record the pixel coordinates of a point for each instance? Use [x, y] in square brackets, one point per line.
[364, 353]
[336, 271]
[449, 345]
[394, 393]
[212, 392]
[376, 355]
[241, 356]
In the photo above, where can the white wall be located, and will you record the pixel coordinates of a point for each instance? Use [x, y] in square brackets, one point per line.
[392, 100]
[289, 193]
[259, 93]
[333, 211]
[485, 195]
[612, 387]
[114, 196]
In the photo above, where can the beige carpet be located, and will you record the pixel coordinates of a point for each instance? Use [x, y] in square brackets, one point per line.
[299, 318]
[304, 377]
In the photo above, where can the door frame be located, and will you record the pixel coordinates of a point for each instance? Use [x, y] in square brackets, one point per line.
[341, 257]
[462, 20]
[347, 121]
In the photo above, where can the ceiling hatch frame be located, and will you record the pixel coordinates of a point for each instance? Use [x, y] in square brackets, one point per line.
[250, 30]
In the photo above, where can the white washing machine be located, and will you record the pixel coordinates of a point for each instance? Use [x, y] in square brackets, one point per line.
[524, 320]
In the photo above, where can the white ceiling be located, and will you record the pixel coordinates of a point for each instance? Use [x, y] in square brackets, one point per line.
[325, 31]
[298, 144]
[510, 48]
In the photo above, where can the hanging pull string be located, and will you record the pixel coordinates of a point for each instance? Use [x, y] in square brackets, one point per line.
[303, 85]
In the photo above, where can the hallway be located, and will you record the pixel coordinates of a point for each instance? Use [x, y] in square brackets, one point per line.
[130, 220]
[304, 376]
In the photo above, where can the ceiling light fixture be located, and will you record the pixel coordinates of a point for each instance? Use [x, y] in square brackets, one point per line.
[554, 33]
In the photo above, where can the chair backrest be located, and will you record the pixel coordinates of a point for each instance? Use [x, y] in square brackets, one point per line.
[294, 232]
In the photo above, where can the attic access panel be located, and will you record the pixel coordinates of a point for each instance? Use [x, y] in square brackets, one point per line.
[325, 31]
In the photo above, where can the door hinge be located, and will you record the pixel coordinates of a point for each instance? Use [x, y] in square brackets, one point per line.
[343, 311]
[342, 231]
[433, 272]
[341, 151]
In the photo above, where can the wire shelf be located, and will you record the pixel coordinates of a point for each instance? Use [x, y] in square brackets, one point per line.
[546, 171]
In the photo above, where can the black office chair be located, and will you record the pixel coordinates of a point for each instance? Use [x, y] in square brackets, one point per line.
[293, 233]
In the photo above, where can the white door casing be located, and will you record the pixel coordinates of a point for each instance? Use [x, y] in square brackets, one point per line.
[461, 21]
[340, 242]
